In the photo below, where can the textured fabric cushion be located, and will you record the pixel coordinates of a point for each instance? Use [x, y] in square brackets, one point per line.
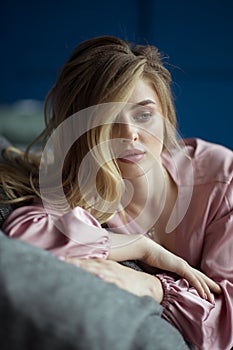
[48, 304]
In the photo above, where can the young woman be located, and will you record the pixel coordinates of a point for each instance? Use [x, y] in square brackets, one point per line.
[111, 157]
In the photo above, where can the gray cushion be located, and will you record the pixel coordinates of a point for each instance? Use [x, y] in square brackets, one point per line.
[48, 304]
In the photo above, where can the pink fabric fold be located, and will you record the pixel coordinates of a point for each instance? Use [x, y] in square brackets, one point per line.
[75, 234]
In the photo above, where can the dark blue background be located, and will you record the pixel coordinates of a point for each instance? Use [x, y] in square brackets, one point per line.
[37, 37]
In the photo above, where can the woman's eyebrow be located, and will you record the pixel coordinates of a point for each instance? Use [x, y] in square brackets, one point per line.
[143, 103]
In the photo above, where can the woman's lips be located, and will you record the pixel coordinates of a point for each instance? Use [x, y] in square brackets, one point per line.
[131, 156]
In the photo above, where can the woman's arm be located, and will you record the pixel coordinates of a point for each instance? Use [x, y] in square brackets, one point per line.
[75, 234]
[78, 235]
[131, 247]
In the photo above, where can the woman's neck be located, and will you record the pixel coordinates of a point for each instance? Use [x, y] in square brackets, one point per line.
[154, 195]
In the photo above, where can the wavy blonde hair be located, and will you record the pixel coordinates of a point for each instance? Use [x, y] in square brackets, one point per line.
[100, 70]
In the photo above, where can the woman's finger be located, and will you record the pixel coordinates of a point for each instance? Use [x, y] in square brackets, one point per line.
[212, 284]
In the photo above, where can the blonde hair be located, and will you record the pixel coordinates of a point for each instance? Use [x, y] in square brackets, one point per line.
[100, 70]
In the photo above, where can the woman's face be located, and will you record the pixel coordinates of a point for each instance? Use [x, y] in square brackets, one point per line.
[139, 132]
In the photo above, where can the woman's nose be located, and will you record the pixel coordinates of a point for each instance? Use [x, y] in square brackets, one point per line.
[129, 132]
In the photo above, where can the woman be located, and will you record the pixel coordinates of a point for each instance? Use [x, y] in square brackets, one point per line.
[110, 129]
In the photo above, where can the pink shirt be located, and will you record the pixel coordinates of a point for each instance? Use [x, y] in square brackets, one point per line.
[204, 238]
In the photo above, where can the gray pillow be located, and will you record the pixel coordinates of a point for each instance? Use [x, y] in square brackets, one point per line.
[46, 304]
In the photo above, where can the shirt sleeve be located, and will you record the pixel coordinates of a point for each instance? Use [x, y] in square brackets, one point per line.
[204, 325]
[75, 234]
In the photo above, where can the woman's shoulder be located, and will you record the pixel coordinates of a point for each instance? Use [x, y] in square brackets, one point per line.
[210, 161]
[198, 148]
[199, 162]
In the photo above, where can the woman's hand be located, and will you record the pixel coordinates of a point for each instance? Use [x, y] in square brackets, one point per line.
[135, 247]
[157, 256]
[136, 282]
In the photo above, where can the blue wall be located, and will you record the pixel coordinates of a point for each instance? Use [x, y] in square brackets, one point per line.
[36, 38]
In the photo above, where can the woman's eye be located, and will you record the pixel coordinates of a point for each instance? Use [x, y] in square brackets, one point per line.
[142, 117]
